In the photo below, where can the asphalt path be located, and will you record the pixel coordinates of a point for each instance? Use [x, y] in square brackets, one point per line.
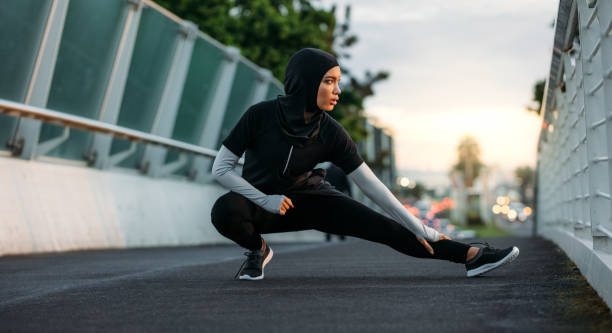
[343, 286]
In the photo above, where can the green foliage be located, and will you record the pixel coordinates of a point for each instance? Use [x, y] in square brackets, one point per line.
[268, 32]
[469, 160]
[524, 175]
[538, 96]
[349, 111]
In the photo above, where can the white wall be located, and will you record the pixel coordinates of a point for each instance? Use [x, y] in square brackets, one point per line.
[47, 206]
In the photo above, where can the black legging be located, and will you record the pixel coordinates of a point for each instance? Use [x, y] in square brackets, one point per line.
[242, 221]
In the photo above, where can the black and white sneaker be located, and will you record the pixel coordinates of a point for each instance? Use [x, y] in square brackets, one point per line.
[489, 258]
[253, 267]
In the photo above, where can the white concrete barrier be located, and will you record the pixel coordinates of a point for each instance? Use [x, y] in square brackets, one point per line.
[47, 206]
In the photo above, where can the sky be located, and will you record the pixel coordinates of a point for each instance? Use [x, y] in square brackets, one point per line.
[457, 67]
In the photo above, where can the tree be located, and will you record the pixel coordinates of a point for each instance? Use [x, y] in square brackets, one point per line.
[268, 32]
[525, 177]
[349, 112]
[468, 163]
[538, 96]
[538, 88]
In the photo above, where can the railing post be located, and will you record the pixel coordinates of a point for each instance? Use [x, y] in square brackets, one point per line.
[261, 87]
[25, 139]
[604, 16]
[576, 100]
[154, 156]
[595, 115]
[559, 114]
[572, 144]
[98, 154]
[200, 167]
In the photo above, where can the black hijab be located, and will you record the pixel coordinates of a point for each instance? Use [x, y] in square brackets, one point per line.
[303, 75]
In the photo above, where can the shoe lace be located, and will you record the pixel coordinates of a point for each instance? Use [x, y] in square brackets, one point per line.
[483, 243]
[252, 260]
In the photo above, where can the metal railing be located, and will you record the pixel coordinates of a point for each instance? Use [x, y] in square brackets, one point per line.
[69, 121]
[575, 145]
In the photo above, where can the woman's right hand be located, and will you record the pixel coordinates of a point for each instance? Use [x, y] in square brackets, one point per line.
[276, 204]
[285, 205]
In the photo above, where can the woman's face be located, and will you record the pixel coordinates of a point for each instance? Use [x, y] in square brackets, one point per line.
[329, 90]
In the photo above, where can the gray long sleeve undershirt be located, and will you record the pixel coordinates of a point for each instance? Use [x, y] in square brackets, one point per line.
[223, 169]
[371, 186]
[366, 180]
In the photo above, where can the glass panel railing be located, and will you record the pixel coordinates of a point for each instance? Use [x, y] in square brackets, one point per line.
[240, 98]
[273, 91]
[197, 94]
[153, 51]
[22, 24]
[87, 51]
[90, 39]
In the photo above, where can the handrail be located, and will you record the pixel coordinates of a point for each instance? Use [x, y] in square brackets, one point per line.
[59, 118]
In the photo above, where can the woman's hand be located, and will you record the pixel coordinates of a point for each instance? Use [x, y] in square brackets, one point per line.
[275, 203]
[444, 237]
[285, 205]
[426, 244]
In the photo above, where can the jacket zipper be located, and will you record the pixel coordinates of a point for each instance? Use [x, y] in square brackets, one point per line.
[288, 158]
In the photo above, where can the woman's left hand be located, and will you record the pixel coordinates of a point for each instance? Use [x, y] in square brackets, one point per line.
[426, 244]
[444, 237]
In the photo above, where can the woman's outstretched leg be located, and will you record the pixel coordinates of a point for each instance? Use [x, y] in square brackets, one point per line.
[345, 216]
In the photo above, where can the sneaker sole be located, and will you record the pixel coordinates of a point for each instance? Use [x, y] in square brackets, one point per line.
[487, 267]
[260, 277]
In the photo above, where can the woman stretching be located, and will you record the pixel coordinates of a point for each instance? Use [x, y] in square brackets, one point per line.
[279, 191]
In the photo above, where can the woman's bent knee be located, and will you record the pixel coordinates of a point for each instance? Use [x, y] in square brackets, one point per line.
[229, 209]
